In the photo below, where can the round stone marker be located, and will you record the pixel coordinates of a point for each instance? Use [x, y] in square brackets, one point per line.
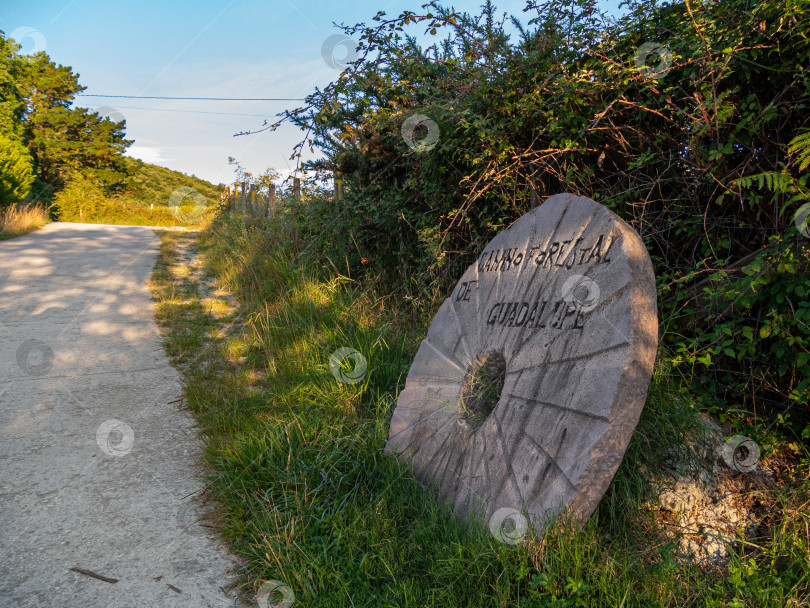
[526, 391]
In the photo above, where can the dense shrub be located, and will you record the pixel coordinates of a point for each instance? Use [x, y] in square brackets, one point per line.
[696, 156]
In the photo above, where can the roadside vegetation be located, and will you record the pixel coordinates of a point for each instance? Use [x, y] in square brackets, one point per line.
[146, 198]
[307, 497]
[706, 160]
[21, 219]
[703, 145]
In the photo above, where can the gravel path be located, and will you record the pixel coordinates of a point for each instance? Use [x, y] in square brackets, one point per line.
[98, 458]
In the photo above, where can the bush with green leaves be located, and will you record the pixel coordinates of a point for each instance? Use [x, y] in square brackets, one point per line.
[685, 118]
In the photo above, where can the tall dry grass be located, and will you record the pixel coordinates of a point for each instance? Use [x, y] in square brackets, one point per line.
[21, 219]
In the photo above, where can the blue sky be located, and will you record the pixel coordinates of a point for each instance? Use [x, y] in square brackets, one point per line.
[206, 48]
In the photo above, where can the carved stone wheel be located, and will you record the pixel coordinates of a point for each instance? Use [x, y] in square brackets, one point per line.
[534, 372]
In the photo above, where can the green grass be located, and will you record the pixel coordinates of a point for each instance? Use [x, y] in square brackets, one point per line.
[307, 497]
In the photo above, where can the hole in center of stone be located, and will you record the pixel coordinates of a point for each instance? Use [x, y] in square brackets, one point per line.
[481, 388]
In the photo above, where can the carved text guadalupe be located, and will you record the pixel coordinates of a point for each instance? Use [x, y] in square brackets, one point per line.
[541, 313]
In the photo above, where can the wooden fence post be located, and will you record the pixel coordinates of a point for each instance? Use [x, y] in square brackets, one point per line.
[271, 201]
[297, 196]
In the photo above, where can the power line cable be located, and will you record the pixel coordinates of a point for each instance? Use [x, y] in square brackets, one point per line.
[196, 98]
[192, 111]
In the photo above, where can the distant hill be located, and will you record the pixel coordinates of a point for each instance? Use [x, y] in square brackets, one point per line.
[143, 198]
[149, 183]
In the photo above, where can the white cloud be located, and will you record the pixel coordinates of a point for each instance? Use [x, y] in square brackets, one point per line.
[146, 154]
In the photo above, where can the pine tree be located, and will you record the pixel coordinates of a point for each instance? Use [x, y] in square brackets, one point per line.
[36, 96]
[16, 171]
[64, 139]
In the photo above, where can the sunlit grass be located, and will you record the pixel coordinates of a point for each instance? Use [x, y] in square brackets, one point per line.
[308, 498]
[120, 210]
[21, 219]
